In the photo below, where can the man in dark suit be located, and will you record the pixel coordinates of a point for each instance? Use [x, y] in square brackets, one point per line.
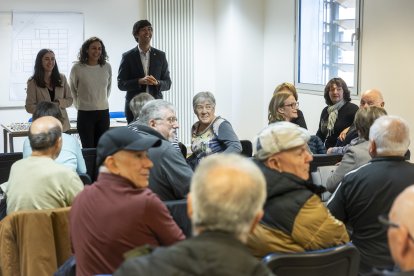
[143, 68]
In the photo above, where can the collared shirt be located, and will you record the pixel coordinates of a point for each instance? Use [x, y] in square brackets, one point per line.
[145, 60]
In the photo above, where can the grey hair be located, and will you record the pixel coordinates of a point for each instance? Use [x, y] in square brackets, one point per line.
[391, 135]
[137, 102]
[45, 140]
[154, 110]
[223, 202]
[201, 97]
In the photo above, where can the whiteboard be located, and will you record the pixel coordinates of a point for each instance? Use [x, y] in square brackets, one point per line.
[22, 35]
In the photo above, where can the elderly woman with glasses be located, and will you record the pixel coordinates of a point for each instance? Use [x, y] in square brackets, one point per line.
[211, 134]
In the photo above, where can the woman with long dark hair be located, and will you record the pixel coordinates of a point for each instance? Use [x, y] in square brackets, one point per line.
[47, 84]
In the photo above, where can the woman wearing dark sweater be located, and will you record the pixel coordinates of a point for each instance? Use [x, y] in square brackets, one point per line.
[338, 115]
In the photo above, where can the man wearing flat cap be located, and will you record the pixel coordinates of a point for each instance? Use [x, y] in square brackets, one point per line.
[143, 68]
[295, 219]
[118, 212]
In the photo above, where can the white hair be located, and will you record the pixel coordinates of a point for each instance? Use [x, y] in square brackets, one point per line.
[227, 192]
[391, 135]
[154, 109]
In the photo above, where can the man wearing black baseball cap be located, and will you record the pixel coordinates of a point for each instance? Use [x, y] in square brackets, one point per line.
[143, 68]
[118, 212]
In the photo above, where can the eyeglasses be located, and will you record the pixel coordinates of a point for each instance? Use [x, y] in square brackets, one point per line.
[208, 107]
[171, 119]
[293, 105]
[383, 219]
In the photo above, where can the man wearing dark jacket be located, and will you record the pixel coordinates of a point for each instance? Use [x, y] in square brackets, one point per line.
[369, 191]
[171, 175]
[295, 219]
[143, 68]
[225, 203]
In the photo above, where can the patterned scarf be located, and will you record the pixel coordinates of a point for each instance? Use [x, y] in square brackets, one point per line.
[333, 115]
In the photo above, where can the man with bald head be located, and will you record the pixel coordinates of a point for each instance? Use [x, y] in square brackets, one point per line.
[38, 182]
[370, 97]
[401, 231]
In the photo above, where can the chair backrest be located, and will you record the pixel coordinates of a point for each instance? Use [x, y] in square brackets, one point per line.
[34, 242]
[89, 154]
[339, 261]
[6, 161]
[324, 160]
[247, 148]
[178, 210]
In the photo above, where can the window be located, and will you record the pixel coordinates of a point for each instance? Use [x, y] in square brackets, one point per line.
[327, 43]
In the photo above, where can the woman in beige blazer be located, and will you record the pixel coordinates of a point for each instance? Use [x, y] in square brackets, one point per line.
[47, 84]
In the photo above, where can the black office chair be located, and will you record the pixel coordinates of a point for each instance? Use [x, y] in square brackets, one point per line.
[178, 210]
[6, 161]
[320, 170]
[324, 160]
[339, 261]
[247, 148]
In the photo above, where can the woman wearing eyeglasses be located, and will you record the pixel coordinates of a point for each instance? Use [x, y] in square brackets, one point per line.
[290, 88]
[211, 134]
[284, 107]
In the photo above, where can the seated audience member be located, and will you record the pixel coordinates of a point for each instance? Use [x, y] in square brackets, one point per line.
[225, 204]
[210, 134]
[171, 175]
[71, 153]
[401, 232]
[372, 97]
[295, 219]
[137, 102]
[118, 213]
[38, 182]
[283, 107]
[369, 191]
[290, 88]
[338, 115]
[357, 154]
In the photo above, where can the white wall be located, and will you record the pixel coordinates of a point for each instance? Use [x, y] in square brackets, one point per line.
[388, 55]
[100, 20]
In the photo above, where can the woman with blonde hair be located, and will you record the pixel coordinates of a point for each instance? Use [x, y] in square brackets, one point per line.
[290, 88]
[282, 107]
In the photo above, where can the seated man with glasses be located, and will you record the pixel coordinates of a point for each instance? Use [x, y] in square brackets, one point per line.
[171, 175]
[370, 190]
[400, 232]
[211, 133]
[295, 219]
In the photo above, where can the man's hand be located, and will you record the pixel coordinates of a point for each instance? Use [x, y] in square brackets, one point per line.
[148, 80]
[343, 134]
